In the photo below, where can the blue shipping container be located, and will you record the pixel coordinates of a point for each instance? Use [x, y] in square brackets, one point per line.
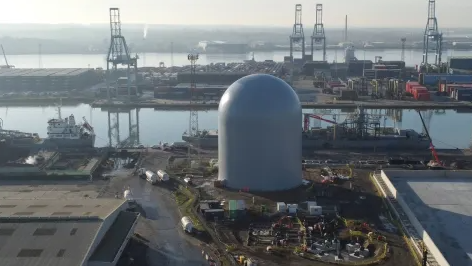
[464, 98]
[433, 79]
[463, 94]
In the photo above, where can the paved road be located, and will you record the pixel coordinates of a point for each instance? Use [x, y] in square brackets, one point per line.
[169, 246]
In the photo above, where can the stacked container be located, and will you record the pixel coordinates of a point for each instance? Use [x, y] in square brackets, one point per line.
[463, 94]
[237, 209]
[409, 85]
[420, 93]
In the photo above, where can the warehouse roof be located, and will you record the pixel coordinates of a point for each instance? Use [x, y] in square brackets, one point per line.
[87, 208]
[47, 243]
[10, 190]
[442, 203]
[47, 232]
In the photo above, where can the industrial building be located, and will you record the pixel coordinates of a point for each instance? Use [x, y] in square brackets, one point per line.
[64, 232]
[434, 206]
[183, 91]
[47, 79]
[260, 145]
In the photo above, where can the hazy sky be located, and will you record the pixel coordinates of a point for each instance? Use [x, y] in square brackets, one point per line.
[361, 13]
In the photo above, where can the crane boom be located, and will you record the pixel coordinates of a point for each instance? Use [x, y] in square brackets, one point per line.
[5, 56]
[306, 120]
[431, 146]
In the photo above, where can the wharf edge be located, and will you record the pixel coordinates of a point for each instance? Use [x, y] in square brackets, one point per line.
[367, 105]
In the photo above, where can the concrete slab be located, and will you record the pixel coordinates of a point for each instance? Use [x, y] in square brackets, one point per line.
[442, 203]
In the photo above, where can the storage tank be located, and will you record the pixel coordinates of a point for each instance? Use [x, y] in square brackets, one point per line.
[260, 140]
[151, 177]
[187, 224]
[163, 176]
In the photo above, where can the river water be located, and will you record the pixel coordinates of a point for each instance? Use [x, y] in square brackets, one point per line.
[448, 130]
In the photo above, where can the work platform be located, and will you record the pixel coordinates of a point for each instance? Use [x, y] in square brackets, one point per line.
[383, 104]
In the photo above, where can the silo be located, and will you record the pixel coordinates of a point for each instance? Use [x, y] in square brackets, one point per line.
[260, 135]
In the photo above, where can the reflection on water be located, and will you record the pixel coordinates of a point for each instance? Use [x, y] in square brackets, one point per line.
[149, 127]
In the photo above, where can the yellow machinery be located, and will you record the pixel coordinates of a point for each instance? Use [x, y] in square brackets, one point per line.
[359, 85]
[375, 86]
[394, 89]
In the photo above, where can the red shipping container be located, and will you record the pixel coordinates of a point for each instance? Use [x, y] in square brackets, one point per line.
[417, 90]
[423, 96]
[413, 88]
[410, 84]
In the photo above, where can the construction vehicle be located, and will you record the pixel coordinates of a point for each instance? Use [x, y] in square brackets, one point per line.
[435, 163]
[284, 222]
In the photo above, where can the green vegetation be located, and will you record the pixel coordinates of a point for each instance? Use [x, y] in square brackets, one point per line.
[185, 200]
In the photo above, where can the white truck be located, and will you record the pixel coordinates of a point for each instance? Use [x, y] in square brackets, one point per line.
[151, 177]
[128, 196]
[163, 176]
[187, 224]
[179, 145]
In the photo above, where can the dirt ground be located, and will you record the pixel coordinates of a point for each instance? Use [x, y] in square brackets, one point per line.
[356, 199]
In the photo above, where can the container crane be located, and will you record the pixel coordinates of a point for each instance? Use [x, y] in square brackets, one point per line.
[6, 61]
[436, 162]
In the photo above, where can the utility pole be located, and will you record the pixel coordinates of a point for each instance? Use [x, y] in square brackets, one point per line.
[403, 49]
[40, 59]
[297, 37]
[318, 35]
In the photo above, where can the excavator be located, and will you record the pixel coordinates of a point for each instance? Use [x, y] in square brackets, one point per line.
[435, 163]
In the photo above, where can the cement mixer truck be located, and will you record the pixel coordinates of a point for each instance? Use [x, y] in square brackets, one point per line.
[128, 196]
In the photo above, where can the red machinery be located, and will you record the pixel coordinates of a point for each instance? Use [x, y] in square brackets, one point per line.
[285, 221]
[306, 120]
[436, 162]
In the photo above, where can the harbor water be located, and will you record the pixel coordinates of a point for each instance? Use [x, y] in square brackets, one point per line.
[448, 129]
[412, 58]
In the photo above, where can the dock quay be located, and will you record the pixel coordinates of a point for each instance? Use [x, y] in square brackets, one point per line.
[56, 165]
[379, 104]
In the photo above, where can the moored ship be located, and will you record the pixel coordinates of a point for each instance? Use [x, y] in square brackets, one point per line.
[358, 132]
[66, 133]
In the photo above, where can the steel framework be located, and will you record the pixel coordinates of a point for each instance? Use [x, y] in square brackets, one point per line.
[114, 136]
[193, 121]
[432, 39]
[297, 37]
[318, 35]
[118, 54]
[403, 49]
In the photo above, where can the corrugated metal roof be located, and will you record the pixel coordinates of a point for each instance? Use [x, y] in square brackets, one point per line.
[65, 244]
[84, 209]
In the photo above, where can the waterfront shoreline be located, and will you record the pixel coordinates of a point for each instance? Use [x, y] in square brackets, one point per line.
[333, 105]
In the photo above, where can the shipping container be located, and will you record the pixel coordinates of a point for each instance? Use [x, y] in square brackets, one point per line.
[463, 94]
[423, 96]
[417, 90]
[433, 79]
[409, 84]
[463, 63]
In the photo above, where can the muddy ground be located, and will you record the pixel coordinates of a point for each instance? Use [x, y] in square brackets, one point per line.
[356, 199]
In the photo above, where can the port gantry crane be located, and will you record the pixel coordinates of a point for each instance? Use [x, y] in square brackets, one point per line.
[297, 37]
[432, 39]
[403, 40]
[318, 36]
[118, 54]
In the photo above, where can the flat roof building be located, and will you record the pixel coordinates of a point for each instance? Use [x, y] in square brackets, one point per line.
[64, 232]
[437, 204]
